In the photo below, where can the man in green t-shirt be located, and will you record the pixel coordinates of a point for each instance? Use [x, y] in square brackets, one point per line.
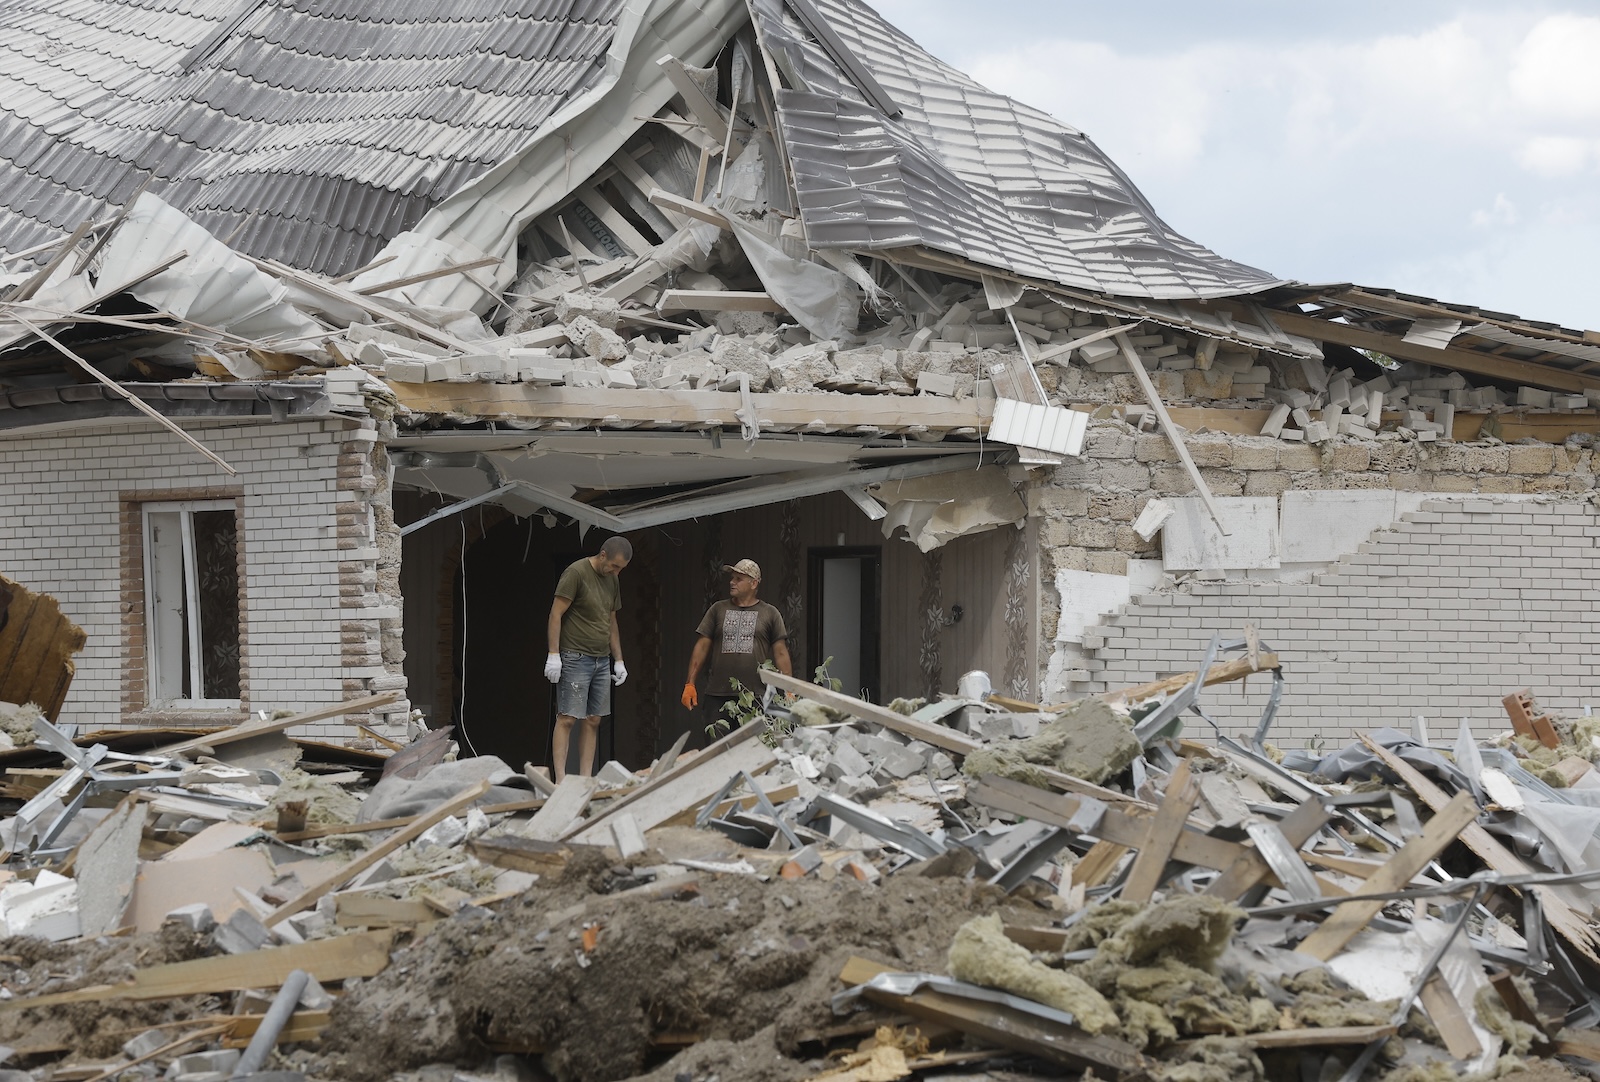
[585, 649]
[737, 635]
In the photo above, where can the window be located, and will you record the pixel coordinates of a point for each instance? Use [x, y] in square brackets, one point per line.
[191, 574]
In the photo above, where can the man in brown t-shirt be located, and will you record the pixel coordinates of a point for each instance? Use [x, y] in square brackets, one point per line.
[737, 635]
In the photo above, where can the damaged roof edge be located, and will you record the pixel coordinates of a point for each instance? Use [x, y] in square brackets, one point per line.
[487, 215]
[31, 409]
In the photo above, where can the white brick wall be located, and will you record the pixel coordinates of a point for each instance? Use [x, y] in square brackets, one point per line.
[1442, 615]
[61, 534]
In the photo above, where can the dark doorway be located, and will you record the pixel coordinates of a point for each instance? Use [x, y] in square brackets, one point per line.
[844, 602]
[506, 707]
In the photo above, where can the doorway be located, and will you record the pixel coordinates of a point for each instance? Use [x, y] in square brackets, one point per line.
[845, 588]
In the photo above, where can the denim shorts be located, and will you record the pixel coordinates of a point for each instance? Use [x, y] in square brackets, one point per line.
[585, 688]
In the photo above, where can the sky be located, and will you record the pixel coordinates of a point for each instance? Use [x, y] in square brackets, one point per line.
[1439, 147]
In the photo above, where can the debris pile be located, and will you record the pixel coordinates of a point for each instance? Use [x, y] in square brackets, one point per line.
[969, 881]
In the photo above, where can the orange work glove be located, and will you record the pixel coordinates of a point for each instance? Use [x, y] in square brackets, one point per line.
[691, 698]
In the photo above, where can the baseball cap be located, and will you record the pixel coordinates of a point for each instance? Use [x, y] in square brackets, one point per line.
[748, 568]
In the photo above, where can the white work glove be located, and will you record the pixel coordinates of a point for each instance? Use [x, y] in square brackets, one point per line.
[552, 668]
[619, 673]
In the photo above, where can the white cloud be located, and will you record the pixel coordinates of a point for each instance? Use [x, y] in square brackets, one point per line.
[1502, 212]
[1554, 71]
[1421, 154]
[1555, 155]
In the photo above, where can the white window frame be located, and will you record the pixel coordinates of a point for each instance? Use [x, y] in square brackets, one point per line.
[191, 587]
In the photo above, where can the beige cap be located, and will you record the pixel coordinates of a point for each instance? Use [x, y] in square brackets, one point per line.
[747, 568]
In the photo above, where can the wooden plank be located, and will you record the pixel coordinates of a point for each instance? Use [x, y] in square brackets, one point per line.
[689, 208]
[1567, 922]
[937, 735]
[1220, 673]
[1298, 827]
[248, 730]
[1396, 873]
[739, 803]
[428, 275]
[1583, 1043]
[302, 1026]
[321, 287]
[460, 802]
[37, 644]
[357, 955]
[1005, 1026]
[1162, 834]
[425, 751]
[717, 300]
[1444, 1010]
[678, 791]
[520, 853]
[1098, 863]
[1462, 360]
[1307, 1037]
[361, 910]
[614, 220]
[1174, 434]
[1126, 828]
[706, 112]
[688, 408]
[562, 808]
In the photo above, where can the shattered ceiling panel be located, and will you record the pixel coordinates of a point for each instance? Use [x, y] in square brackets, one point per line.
[316, 129]
[966, 171]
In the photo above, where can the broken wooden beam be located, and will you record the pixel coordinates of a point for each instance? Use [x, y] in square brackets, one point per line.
[308, 897]
[1221, 672]
[1396, 874]
[1567, 922]
[337, 959]
[258, 728]
[937, 735]
[1161, 836]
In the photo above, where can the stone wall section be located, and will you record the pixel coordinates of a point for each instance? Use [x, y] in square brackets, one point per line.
[1087, 506]
[1440, 616]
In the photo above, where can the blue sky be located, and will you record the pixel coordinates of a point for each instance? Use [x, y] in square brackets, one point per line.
[1450, 149]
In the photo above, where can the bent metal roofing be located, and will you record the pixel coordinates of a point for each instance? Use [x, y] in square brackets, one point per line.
[315, 131]
[312, 131]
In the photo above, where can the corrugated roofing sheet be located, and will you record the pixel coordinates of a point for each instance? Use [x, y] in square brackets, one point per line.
[335, 123]
[966, 171]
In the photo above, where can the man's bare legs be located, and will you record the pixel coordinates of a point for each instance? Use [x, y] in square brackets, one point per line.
[588, 740]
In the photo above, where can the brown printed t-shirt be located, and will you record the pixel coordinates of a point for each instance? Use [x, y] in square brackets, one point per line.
[741, 639]
[586, 625]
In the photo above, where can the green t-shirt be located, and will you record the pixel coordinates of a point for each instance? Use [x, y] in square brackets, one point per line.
[586, 625]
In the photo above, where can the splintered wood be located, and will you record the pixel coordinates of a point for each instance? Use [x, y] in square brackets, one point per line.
[37, 642]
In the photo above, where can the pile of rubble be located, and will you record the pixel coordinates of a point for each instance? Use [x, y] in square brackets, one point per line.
[835, 890]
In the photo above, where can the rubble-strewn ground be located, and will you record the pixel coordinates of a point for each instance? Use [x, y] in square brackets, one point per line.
[735, 959]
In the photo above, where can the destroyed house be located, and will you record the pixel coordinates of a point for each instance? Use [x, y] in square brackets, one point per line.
[331, 331]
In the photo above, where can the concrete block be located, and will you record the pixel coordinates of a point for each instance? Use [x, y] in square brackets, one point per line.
[218, 1059]
[242, 934]
[1535, 397]
[937, 383]
[194, 918]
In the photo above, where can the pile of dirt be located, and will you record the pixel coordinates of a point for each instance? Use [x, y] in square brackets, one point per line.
[727, 960]
[32, 966]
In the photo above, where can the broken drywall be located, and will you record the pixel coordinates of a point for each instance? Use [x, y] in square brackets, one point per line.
[1191, 540]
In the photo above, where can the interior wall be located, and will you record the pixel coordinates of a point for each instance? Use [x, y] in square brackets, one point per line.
[511, 567]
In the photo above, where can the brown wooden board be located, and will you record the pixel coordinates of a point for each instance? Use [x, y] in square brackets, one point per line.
[426, 750]
[1567, 922]
[1352, 916]
[37, 642]
[357, 955]
[937, 735]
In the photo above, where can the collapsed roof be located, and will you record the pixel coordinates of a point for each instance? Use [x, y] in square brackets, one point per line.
[322, 132]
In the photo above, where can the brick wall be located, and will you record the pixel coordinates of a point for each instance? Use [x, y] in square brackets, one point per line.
[1441, 615]
[313, 611]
